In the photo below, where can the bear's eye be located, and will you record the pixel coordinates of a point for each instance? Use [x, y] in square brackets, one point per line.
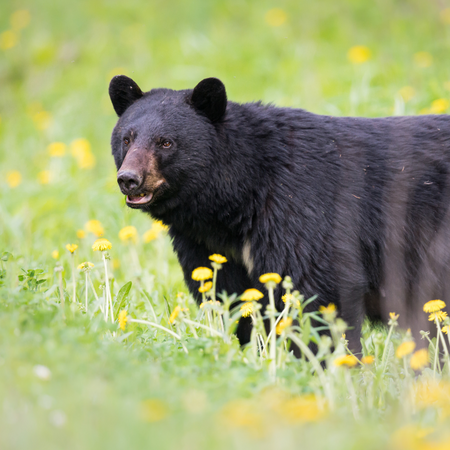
[166, 144]
[126, 141]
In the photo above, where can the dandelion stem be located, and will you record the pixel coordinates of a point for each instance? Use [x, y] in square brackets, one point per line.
[385, 351]
[316, 364]
[192, 330]
[61, 292]
[95, 293]
[444, 345]
[351, 353]
[436, 355]
[74, 284]
[150, 303]
[281, 316]
[86, 279]
[135, 258]
[152, 324]
[273, 341]
[212, 330]
[213, 292]
[108, 303]
[351, 391]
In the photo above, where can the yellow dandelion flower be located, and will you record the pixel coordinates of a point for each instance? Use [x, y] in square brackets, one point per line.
[394, 316]
[359, 54]
[291, 299]
[81, 151]
[101, 245]
[276, 17]
[368, 360]
[419, 359]
[247, 309]
[202, 274]
[43, 177]
[123, 319]
[154, 231]
[153, 410]
[71, 247]
[283, 324]
[81, 234]
[159, 226]
[128, 233]
[270, 277]
[85, 265]
[94, 227]
[13, 178]
[42, 119]
[346, 360]
[407, 93]
[20, 19]
[445, 15]
[331, 308]
[8, 39]
[244, 415]
[251, 295]
[439, 106]
[174, 314]
[432, 392]
[423, 59]
[433, 306]
[206, 287]
[149, 236]
[55, 254]
[445, 329]
[439, 315]
[302, 409]
[56, 149]
[219, 259]
[405, 348]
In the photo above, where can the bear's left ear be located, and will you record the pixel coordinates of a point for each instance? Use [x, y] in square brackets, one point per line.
[123, 92]
[210, 98]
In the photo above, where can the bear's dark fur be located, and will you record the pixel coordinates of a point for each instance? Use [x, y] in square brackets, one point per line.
[355, 210]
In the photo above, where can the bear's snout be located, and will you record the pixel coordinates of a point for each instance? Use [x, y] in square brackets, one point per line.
[129, 181]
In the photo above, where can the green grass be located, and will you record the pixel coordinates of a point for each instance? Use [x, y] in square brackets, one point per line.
[109, 389]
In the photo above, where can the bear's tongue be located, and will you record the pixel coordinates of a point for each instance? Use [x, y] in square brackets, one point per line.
[139, 199]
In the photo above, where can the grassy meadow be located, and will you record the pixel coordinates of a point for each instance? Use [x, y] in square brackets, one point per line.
[133, 362]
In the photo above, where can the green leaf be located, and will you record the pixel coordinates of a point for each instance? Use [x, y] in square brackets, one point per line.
[307, 302]
[5, 256]
[306, 330]
[122, 297]
[432, 352]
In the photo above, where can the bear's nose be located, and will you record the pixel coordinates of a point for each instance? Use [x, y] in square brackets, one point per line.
[128, 181]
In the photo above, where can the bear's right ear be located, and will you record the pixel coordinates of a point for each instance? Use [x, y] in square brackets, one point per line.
[210, 98]
[123, 92]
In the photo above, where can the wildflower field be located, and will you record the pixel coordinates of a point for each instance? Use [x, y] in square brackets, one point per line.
[101, 344]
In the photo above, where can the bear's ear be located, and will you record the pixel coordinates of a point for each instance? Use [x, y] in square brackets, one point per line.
[210, 98]
[123, 91]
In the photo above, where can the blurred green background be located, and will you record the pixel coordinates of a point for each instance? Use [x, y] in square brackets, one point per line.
[56, 174]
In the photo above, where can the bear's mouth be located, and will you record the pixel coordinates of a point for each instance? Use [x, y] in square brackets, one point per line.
[138, 200]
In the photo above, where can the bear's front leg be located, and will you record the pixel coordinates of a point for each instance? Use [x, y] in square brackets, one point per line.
[232, 278]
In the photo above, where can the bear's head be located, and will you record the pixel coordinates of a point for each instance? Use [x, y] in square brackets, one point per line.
[162, 139]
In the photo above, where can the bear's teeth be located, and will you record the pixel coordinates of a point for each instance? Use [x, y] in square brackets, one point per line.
[142, 195]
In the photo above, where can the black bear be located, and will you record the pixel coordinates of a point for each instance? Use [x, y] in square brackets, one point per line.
[355, 210]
